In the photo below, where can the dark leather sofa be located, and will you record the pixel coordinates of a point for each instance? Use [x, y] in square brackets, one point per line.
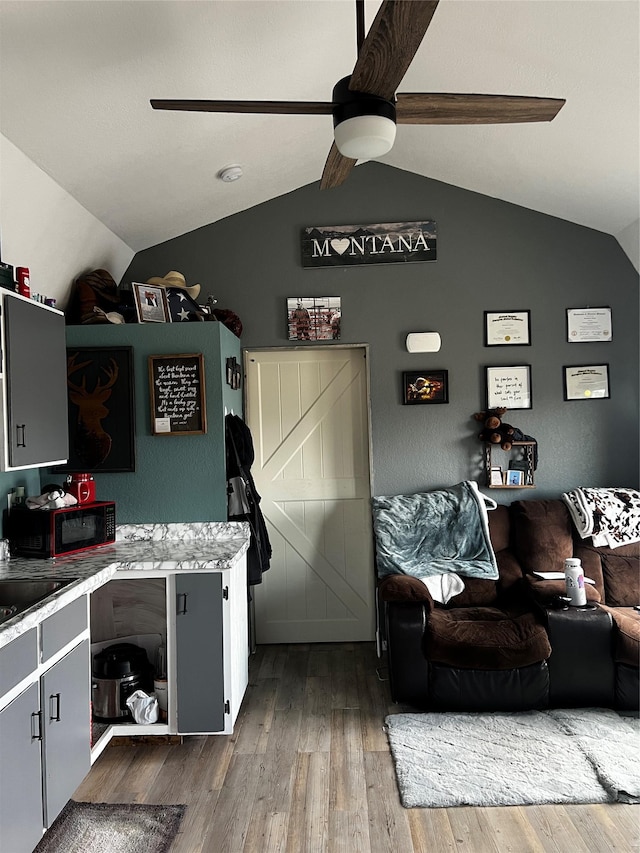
[502, 645]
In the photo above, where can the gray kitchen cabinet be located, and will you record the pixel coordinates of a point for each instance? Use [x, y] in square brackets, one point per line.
[34, 388]
[20, 773]
[64, 702]
[44, 725]
[199, 652]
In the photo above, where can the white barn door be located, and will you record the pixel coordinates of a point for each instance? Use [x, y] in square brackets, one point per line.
[307, 409]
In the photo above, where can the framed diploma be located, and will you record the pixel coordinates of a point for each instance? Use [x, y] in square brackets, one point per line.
[509, 387]
[588, 325]
[507, 328]
[586, 382]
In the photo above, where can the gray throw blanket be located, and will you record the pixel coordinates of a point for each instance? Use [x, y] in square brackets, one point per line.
[430, 533]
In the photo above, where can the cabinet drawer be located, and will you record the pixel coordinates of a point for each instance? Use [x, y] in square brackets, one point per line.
[60, 628]
[18, 659]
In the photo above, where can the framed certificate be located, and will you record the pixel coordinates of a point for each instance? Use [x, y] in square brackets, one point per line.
[507, 328]
[588, 325]
[586, 382]
[509, 387]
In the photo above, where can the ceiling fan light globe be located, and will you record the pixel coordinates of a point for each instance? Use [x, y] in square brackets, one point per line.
[365, 137]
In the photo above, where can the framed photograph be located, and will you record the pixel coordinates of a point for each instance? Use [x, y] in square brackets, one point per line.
[314, 318]
[509, 386]
[514, 477]
[425, 386]
[177, 394]
[151, 303]
[588, 325]
[586, 382]
[495, 477]
[100, 389]
[507, 328]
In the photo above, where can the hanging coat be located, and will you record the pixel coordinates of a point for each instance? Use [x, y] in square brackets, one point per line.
[244, 500]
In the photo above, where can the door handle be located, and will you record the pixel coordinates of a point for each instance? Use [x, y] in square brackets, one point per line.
[183, 596]
[54, 698]
[36, 727]
[22, 427]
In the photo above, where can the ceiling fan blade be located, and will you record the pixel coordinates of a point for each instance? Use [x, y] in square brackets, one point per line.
[336, 169]
[390, 45]
[266, 107]
[436, 108]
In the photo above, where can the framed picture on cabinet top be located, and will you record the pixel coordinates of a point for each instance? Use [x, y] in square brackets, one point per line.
[509, 387]
[151, 303]
[507, 328]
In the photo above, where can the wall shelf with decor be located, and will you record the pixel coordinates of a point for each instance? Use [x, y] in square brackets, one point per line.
[520, 461]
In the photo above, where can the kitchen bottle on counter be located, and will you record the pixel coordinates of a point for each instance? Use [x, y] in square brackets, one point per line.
[82, 487]
[574, 576]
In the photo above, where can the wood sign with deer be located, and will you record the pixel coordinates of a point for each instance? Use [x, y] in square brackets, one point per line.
[101, 409]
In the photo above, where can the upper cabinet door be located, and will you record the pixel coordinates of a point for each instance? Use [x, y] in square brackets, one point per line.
[35, 366]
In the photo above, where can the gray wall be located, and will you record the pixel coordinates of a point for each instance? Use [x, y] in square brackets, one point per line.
[491, 256]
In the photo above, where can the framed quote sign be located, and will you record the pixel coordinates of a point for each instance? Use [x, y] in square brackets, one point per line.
[509, 387]
[177, 394]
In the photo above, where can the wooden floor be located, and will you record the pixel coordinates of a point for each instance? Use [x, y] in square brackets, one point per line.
[308, 769]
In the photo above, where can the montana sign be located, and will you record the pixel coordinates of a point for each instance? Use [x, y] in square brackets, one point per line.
[386, 243]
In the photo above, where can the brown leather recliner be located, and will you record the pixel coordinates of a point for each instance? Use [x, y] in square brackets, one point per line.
[501, 645]
[487, 649]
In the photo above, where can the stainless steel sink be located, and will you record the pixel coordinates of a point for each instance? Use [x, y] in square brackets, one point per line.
[17, 596]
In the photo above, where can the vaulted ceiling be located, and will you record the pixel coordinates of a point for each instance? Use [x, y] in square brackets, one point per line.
[76, 79]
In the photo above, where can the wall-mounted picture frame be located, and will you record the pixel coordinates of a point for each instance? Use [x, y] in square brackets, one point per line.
[509, 386]
[314, 318]
[507, 328]
[589, 325]
[100, 389]
[151, 303]
[177, 394]
[586, 382]
[425, 387]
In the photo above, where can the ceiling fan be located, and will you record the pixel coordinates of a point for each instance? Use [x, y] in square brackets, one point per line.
[365, 106]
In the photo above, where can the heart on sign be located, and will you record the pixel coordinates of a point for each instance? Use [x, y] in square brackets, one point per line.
[340, 246]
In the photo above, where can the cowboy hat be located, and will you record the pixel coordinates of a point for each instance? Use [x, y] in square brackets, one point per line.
[175, 279]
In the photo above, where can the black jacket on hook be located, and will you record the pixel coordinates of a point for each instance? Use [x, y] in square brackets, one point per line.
[240, 456]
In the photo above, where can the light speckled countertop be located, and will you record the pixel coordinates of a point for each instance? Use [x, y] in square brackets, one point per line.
[205, 546]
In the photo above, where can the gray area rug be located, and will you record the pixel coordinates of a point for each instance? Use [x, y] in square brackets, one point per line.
[501, 759]
[106, 828]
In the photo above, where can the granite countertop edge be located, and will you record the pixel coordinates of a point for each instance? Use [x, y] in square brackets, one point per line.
[159, 552]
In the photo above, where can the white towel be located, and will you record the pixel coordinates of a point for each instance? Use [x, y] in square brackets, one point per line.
[443, 587]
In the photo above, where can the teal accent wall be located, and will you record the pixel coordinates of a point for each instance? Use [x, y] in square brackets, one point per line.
[177, 478]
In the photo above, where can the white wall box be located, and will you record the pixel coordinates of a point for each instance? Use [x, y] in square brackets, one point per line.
[34, 420]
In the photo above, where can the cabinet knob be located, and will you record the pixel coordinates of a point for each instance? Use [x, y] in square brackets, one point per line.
[181, 610]
[21, 428]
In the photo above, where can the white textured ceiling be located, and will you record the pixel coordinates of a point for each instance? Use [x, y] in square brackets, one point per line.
[76, 79]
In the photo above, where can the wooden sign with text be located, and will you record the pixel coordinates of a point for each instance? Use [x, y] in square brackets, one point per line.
[385, 243]
[178, 402]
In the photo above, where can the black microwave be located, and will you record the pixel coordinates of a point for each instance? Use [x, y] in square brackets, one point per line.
[57, 532]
